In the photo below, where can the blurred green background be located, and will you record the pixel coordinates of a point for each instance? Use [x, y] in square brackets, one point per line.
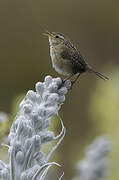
[91, 108]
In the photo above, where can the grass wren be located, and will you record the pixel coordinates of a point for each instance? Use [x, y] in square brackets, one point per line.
[66, 59]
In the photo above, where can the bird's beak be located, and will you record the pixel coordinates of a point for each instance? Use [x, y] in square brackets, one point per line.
[49, 34]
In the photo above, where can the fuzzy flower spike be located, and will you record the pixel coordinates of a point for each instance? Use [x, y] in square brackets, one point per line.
[29, 132]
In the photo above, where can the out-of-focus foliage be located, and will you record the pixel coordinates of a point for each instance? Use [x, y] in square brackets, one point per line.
[104, 111]
[95, 164]
[3, 117]
[6, 124]
[3, 124]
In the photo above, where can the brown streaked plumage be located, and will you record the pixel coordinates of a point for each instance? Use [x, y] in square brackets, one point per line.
[66, 59]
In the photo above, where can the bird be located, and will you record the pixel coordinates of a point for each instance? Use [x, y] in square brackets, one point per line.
[67, 59]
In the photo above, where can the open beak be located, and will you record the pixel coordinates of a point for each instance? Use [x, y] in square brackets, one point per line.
[49, 34]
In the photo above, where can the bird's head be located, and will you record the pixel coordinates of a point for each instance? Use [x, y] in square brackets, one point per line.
[55, 38]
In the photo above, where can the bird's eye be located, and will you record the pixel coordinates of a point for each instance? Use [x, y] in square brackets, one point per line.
[57, 36]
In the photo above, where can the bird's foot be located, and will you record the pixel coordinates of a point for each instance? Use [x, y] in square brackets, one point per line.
[68, 78]
[73, 81]
[67, 83]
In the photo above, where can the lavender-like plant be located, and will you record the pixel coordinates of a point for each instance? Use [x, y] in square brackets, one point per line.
[94, 166]
[29, 132]
[3, 117]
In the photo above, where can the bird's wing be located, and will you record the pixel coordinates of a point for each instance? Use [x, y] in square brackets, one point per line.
[74, 56]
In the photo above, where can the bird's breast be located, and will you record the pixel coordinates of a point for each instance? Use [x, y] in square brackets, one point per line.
[62, 66]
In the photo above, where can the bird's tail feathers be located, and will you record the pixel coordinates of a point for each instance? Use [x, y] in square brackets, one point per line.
[97, 73]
